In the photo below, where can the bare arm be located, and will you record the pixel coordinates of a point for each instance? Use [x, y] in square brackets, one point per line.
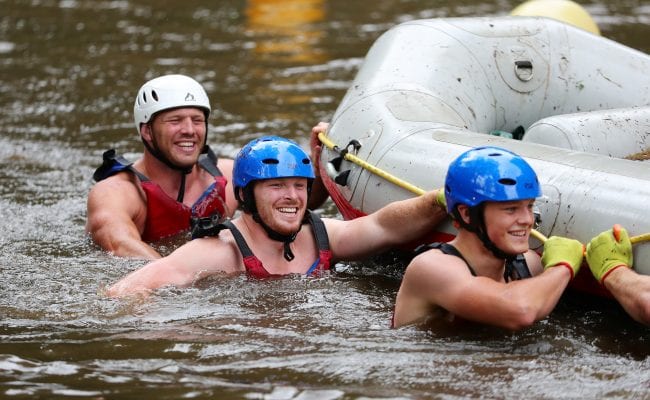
[397, 223]
[632, 291]
[435, 279]
[114, 207]
[225, 166]
[187, 264]
[515, 305]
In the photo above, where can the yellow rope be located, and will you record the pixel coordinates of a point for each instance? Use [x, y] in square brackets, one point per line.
[640, 238]
[538, 235]
[414, 189]
[363, 164]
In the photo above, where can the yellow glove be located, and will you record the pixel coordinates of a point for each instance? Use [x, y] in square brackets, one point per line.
[440, 198]
[563, 251]
[609, 250]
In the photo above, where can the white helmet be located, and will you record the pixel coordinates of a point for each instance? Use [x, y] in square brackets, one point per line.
[165, 92]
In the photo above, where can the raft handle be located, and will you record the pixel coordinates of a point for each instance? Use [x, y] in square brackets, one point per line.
[524, 70]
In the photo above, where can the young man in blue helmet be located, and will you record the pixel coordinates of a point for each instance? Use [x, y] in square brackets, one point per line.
[487, 273]
[177, 178]
[610, 259]
[276, 235]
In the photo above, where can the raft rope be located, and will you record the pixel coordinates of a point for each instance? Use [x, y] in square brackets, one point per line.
[419, 191]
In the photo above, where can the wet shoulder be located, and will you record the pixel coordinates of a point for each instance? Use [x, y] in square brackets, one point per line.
[434, 261]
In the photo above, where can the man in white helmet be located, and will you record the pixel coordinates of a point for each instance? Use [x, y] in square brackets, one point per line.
[177, 178]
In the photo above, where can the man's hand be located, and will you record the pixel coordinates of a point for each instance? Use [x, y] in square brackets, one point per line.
[318, 191]
[563, 251]
[440, 198]
[315, 144]
[609, 250]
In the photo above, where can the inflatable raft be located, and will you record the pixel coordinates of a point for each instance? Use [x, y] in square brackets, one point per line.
[573, 103]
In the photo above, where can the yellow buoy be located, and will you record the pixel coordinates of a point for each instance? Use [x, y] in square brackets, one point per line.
[562, 10]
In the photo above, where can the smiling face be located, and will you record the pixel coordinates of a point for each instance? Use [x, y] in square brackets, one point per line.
[179, 134]
[281, 203]
[509, 224]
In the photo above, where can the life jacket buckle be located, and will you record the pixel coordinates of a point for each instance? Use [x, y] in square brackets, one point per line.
[206, 226]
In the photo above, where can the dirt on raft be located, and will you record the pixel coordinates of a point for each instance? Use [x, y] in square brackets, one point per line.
[641, 156]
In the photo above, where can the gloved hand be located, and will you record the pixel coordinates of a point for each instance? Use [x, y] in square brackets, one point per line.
[440, 198]
[607, 251]
[563, 251]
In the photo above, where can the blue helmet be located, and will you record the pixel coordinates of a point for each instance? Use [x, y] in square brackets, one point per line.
[270, 157]
[489, 174]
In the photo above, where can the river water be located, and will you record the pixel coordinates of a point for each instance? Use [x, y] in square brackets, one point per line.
[69, 70]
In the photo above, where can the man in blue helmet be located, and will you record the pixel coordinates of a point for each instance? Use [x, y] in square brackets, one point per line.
[276, 235]
[487, 273]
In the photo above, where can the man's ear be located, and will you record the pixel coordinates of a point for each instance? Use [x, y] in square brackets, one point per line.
[463, 210]
[145, 132]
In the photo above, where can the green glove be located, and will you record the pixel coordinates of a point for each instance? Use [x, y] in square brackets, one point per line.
[563, 251]
[605, 252]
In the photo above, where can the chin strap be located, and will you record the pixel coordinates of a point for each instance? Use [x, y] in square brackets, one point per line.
[181, 190]
[515, 265]
[274, 235]
[160, 157]
[287, 253]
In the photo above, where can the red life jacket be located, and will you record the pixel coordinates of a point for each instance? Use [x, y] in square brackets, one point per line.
[165, 215]
[254, 266]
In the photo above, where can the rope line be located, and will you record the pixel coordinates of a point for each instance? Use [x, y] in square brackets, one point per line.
[419, 191]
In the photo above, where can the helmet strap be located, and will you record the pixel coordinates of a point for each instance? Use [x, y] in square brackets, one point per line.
[477, 225]
[248, 205]
[514, 265]
[248, 201]
[181, 190]
[155, 151]
[160, 157]
[275, 235]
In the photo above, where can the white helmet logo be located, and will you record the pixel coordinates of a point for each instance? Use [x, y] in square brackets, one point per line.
[189, 97]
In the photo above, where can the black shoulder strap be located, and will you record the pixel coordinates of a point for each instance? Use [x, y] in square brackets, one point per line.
[208, 161]
[112, 163]
[320, 232]
[516, 269]
[239, 239]
[446, 248]
[442, 246]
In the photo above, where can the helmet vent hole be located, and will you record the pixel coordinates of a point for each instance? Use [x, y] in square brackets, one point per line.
[507, 181]
[270, 161]
[154, 95]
